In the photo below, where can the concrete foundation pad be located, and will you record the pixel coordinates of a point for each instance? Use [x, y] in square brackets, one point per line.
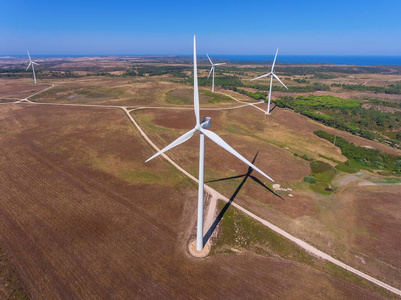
[203, 253]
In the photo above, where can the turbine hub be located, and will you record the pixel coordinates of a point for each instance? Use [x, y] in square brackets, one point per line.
[206, 122]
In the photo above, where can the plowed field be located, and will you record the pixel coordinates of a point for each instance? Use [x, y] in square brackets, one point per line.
[82, 217]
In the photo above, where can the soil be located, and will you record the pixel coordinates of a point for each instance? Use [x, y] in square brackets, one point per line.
[17, 89]
[72, 228]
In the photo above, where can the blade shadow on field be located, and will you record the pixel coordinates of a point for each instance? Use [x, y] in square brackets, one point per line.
[216, 222]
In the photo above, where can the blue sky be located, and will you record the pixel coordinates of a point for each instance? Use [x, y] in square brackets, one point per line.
[222, 27]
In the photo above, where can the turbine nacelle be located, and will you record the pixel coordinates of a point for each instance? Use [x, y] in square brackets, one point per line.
[206, 123]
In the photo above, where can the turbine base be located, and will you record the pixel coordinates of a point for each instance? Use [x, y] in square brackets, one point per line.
[199, 254]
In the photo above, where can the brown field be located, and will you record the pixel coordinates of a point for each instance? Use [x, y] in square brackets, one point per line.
[18, 89]
[83, 217]
[376, 226]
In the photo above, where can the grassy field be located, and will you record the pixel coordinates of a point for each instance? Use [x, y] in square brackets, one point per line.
[288, 151]
[74, 228]
[185, 97]
[105, 90]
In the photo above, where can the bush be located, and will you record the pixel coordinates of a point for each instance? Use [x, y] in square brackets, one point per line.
[310, 179]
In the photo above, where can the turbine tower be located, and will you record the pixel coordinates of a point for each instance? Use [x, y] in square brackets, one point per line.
[32, 63]
[212, 69]
[202, 126]
[271, 74]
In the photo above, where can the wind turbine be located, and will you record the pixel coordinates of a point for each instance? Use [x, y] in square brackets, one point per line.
[212, 69]
[32, 63]
[271, 74]
[202, 126]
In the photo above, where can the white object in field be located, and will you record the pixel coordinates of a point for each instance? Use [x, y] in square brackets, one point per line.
[212, 70]
[271, 74]
[31, 63]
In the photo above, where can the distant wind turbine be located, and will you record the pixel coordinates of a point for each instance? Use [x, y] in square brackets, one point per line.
[202, 126]
[32, 63]
[271, 74]
[212, 69]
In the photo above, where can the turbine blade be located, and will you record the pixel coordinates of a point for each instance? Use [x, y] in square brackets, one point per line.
[28, 55]
[28, 67]
[196, 91]
[274, 62]
[275, 76]
[219, 141]
[180, 140]
[209, 59]
[211, 69]
[35, 63]
[264, 75]
[219, 64]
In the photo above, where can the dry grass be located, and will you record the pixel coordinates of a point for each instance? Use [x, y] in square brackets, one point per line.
[325, 221]
[18, 89]
[74, 228]
[137, 91]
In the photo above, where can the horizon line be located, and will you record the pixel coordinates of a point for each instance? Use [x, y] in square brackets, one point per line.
[178, 55]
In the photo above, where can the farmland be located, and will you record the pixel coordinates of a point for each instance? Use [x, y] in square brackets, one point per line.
[83, 216]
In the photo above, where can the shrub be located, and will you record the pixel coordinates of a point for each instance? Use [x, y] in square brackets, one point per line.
[310, 179]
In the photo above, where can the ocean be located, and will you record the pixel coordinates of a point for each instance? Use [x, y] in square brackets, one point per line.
[330, 59]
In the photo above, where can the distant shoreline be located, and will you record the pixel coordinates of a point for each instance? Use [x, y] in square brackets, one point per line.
[359, 60]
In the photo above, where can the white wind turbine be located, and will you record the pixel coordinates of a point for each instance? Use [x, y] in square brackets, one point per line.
[202, 126]
[32, 63]
[271, 74]
[212, 69]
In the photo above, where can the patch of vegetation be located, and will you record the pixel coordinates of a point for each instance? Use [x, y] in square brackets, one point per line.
[306, 70]
[177, 71]
[256, 95]
[310, 179]
[390, 89]
[342, 274]
[224, 81]
[386, 180]
[323, 76]
[240, 232]
[185, 97]
[293, 89]
[9, 281]
[139, 176]
[348, 167]
[347, 115]
[321, 175]
[364, 158]
[301, 80]
[329, 158]
[383, 103]
[302, 103]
